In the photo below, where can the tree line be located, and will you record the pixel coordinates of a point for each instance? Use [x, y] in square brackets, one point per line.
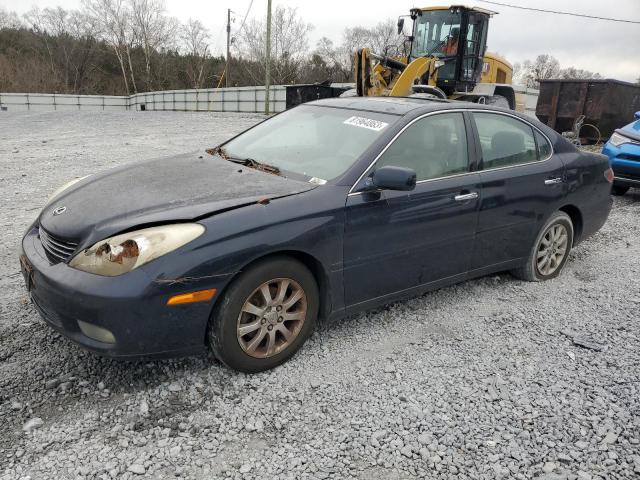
[545, 66]
[120, 47]
[106, 47]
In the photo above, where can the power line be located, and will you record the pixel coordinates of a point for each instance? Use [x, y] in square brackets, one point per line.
[225, 72]
[246, 15]
[561, 13]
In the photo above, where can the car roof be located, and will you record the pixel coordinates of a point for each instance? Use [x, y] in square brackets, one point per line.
[395, 105]
[416, 106]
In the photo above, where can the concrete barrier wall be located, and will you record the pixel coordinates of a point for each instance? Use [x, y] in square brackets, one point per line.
[240, 99]
[51, 101]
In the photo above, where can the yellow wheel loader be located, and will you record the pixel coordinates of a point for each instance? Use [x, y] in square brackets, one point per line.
[444, 55]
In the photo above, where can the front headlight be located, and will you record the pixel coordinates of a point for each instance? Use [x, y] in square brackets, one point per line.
[63, 188]
[617, 139]
[123, 253]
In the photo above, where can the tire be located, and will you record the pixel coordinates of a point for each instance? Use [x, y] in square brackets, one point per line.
[618, 190]
[531, 271]
[427, 91]
[254, 351]
[497, 101]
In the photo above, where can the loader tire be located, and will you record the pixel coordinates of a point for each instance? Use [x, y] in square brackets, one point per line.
[497, 101]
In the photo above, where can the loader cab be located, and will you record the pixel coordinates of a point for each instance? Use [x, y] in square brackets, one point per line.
[458, 36]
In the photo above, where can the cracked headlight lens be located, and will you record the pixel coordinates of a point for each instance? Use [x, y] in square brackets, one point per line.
[123, 253]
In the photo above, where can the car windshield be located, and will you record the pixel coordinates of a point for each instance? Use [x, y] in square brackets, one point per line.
[318, 142]
[436, 34]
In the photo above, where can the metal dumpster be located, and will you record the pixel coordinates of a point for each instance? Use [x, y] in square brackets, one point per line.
[607, 104]
[297, 94]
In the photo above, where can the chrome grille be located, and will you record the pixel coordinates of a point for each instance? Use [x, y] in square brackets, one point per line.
[57, 250]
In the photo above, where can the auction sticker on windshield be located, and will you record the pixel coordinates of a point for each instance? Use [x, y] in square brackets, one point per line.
[363, 122]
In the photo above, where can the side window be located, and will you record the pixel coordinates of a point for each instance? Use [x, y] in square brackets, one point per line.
[435, 146]
[544, 147]
[504, 140]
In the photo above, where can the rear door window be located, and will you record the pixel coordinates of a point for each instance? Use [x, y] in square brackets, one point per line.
[505, 141]
[544, 147]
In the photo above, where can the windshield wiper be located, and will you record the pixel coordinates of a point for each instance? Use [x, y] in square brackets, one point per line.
[250, 162]
[247, 162]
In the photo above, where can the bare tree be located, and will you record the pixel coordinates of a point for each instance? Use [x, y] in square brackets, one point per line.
[385, 38]
[68, 36]
[543, 67]
[37, 21]
[577, 73]
[355, 38]
[82, 28]
[112, 20]
[289, 44]
[382, 38]
[9, 19]
[516, 72]
[154, 30]
[338, 61]
[195, 39]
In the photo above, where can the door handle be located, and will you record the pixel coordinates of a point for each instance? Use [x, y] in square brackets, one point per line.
[464, 197]
[553, 181]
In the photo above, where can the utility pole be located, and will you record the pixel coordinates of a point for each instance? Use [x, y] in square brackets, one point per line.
[226, 73]
[267, 76]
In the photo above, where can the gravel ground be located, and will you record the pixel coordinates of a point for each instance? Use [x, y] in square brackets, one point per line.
[492, 378]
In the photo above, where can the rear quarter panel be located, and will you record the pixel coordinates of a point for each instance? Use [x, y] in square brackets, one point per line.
[588, 189]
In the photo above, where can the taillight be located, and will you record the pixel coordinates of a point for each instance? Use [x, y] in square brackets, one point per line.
[608, 174]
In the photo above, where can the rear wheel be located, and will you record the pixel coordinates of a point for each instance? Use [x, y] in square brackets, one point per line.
[550, 250]
[265, 316]
[619, 190]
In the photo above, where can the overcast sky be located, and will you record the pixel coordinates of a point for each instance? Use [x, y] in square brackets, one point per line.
[610, 48]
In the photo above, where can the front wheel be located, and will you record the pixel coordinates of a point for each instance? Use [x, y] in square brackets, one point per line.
[265, 316]
[550, 250]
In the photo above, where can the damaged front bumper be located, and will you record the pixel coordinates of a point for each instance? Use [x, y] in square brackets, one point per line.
[125, 316]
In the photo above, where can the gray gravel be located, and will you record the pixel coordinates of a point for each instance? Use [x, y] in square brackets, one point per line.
[492, 378]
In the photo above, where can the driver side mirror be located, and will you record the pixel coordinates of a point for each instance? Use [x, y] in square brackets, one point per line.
[394, 178]
[404, 27]
[637, 115]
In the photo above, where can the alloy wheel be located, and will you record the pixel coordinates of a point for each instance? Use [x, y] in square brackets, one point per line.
[271, 317]
[552, 249]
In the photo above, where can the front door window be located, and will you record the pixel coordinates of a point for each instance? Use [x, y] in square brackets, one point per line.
[434, 147]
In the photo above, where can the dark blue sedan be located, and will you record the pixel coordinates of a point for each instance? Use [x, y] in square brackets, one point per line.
[325, 210]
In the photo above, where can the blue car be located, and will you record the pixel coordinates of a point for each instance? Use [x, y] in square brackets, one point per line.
[623, 150]
[322, 211]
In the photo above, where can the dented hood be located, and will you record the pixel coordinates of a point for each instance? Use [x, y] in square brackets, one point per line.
[179, 188]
